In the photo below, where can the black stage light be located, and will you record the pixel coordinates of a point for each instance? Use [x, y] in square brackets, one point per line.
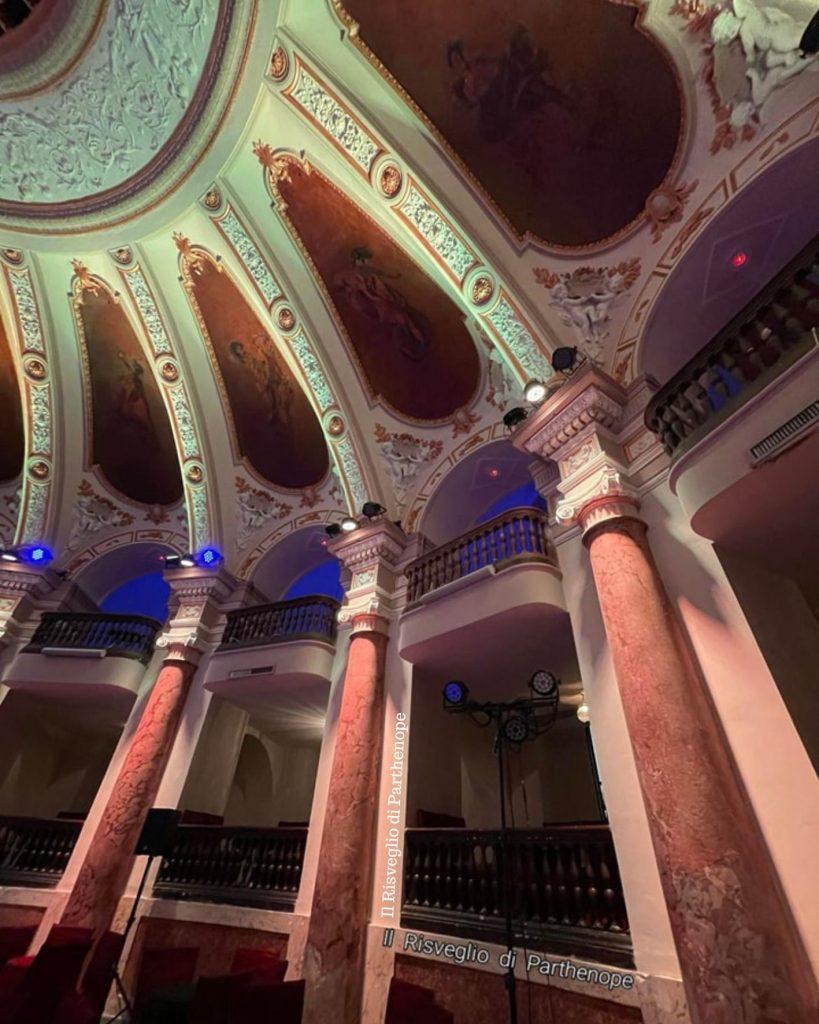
[173, 561]
[563, 359]
[809, 43]
[515, 728]
[455, 694]
[514, 416]
[371, 509]
[332, 530]
[544, 684]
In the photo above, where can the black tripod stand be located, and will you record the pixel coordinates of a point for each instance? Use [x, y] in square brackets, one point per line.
[155, 840]
[516, 721]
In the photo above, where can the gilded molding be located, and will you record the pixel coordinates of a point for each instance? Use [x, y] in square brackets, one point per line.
[38, 407]
[250, 256]
[178, 404]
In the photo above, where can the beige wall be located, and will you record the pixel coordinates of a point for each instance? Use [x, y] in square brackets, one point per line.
[214, 762]
[788, 636]
[46, 764]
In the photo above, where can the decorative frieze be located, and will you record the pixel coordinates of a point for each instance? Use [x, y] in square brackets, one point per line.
[326, 110]
[450, 248]
[508, 326]
[351, 471]
[94, 512]
[248, 252]
[312, 369]
[404, 455]
[256, 508]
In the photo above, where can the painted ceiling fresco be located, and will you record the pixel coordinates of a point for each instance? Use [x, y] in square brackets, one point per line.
[566, 112]
[131, 438]
[275, 426]
[409, 337]
[11, 414]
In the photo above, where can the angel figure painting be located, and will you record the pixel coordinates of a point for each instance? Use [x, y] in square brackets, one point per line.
[131, 435]
[273, 424]
[408, 338]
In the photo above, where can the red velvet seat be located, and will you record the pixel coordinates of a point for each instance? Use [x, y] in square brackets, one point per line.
[281, 1003]
[408, 1003]
[266, 966]
[14, 941]
[32, 988]
[161, 969]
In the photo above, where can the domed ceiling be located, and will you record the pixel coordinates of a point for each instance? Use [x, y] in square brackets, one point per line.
[448, 192]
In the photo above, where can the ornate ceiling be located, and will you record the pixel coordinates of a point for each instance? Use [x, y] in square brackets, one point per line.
[310, 263]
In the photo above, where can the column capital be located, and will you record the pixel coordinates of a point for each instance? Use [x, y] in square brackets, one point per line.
[370, 545]
[181, 649]
[374, 555]
[591, 430]
[369, 622]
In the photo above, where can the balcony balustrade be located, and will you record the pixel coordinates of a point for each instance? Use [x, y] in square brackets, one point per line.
[256, 867]
[305, 618]
[566, 893]
[519, 535]
[122, 636]
[767, 337]
[35, 851]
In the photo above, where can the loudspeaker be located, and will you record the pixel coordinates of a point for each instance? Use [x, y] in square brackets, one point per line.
[158, 832]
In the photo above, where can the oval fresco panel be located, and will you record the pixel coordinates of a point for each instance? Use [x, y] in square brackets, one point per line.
[275, 426]
[565, 111]
[12, 442]
[131, 438]
[410, 338]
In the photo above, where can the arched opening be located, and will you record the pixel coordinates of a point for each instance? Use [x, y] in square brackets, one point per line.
[297, 566]
[129, 581]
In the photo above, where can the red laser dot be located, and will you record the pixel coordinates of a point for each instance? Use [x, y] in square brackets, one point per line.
[494, 473]
[739, 259]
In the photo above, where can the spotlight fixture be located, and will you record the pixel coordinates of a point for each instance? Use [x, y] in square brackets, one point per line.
[371, 509]
[809, 43]
[514, 416]
[515, 728]
[172, 561]
[583, 713]
[208, 557]
[37, 554]
[187, 561]
[7, 555]
[564, 359]
[544, 684]
[535, 392]
[456, 695]
[348, 524]
[332, 529]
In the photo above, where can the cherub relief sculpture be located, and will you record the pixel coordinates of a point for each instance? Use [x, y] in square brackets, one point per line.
[367, 290]
[770, 43]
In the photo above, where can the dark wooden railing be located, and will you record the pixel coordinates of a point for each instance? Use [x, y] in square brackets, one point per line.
[256, 867]
[565, 884]
[125, 636]
[514, 536]
[35, 851]
[770, 334]
[304, 618]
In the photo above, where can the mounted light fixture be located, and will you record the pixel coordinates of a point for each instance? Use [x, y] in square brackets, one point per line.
[544, 684]
[348, 524]
[583, 713]
[535, 392]
[187, 561]
[371, 509]
[456, 695]
[514, 416]
[209, 557]
[172, 561]
[37, 554]
[332, 529]
[7, 555]
[564, 359]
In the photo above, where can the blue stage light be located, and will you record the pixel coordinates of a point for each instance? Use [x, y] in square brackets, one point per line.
[208, 557]
[455, 694]
[37, 554]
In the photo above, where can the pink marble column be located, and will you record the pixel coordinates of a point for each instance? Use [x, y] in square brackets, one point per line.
[336, 939]
[108, 863]
[741, 957]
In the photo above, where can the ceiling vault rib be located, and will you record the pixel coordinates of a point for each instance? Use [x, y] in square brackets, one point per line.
[288, 325]
[36, 518]
[204, 527]
[474, 283]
